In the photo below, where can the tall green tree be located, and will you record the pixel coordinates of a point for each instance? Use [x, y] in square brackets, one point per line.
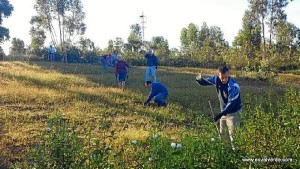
[276, 16]
[160, 46]
[183, 38]
[206, 44]
[66, 16]
[2, 54]
[38, 36]
[118, 44]
[135, 37]
[17, 47]
[86, 45]
[248, 39]
[5, 11]
[260, 8]
[203, 33]
[189, 40]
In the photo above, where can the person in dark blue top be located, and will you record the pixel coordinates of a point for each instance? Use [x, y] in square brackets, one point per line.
[158, 93]
[152, 63]
[228, 91]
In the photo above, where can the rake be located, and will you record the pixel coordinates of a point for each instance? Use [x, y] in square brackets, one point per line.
[213, 115]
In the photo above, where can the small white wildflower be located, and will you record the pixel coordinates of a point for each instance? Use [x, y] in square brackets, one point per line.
[178, 145]
[48, 129]
[154, 136]
[133, 141]
[212, 139]
[173, 145]
[231, 138]
[150, 159]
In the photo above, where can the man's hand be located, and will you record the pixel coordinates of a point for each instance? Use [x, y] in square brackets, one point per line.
[217, 117]
[199, 76]
[145, 104]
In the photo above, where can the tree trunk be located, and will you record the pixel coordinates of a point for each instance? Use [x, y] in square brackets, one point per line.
[271, 22]
[60, 36]
[264, 39]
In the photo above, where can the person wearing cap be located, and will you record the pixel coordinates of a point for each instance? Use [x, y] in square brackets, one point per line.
[121, 72]
[158, 93]
[228, 91]
[152, 63]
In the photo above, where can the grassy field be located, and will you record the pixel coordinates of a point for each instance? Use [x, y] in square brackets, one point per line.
[74, 116]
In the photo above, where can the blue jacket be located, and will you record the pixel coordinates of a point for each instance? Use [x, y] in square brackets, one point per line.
[157, 88]
[151, 59]
[229, 94]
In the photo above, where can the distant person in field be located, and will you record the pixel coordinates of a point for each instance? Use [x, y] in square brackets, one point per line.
[152, 63]
[105, 61]
[158, 93]
[121, 72]
[51, 53]
[228, 91]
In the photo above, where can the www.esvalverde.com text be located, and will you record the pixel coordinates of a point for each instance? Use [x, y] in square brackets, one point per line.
[267, 160]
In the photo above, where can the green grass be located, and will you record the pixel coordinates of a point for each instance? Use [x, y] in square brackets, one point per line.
[74, 116]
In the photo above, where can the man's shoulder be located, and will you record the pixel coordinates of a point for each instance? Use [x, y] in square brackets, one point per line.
[233, 83]
[232, 80]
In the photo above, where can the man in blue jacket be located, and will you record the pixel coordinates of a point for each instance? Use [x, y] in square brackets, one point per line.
[152, 63]
[158, 92]
[228, 92]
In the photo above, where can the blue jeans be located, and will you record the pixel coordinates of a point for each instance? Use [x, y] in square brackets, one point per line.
[160, 99]
[151, 70]
[104, 64]
[51, 57]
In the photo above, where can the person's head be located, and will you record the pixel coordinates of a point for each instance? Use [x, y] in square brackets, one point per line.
[150, 51]
[223, 73]
[148, 83]
[119, 57]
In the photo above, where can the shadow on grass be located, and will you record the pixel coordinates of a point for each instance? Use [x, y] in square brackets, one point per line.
[184, 90]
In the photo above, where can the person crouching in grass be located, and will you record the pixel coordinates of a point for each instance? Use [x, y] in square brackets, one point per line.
[159, 93]
[121, 72]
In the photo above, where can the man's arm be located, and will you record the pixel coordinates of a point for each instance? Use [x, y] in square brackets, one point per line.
[151, 95]
[206, 81]
[155, 61]
[234, 93]
[147, 55]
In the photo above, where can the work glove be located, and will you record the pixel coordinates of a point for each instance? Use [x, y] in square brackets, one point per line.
[145, 104]
[217, 117]
[199, 76]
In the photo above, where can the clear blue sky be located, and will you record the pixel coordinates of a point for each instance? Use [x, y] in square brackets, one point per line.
[107, 19]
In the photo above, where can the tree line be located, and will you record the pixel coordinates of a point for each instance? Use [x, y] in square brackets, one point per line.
[267, 41]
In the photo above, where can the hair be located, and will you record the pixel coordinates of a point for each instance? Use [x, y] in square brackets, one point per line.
[148, 82]
[119, 56]
[223, 69]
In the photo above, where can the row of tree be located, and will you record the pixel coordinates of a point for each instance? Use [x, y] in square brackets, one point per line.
[266, 39]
